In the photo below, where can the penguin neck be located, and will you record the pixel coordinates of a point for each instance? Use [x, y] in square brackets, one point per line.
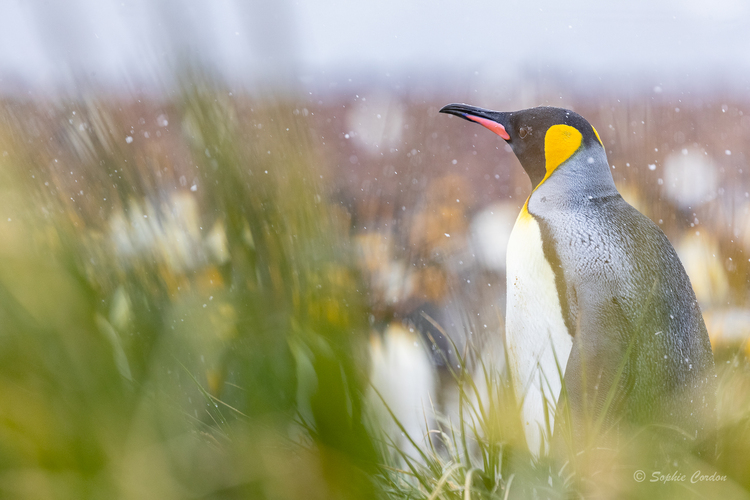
[585, 176]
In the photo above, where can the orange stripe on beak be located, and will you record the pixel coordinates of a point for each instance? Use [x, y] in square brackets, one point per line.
[492, 125]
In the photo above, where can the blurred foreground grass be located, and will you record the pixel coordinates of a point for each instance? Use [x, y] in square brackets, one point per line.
[184, 318]
[149, 351]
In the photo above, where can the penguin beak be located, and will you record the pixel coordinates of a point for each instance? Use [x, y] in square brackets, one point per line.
[493, 120]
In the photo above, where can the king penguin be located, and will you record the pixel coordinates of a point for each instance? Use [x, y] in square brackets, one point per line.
[598, 303]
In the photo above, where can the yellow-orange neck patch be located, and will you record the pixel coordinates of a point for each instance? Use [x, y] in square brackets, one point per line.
[524, 215]
[560, 143]
[597, 136]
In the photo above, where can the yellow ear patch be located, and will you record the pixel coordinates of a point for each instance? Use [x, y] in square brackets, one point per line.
[560, 143]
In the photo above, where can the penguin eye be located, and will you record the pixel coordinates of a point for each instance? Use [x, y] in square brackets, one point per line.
[524, 131]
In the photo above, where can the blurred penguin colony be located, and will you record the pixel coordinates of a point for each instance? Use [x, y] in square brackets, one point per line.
[428, 215]
[414, 219]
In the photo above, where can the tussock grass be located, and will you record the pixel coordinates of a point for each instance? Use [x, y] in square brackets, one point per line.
[181, 316]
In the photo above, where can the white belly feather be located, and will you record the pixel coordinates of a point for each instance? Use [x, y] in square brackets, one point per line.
[535, 330]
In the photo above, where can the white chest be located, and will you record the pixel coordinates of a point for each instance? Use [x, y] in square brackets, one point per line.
[537, 340]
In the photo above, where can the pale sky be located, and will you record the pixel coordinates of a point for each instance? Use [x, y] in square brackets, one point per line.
[48, 43]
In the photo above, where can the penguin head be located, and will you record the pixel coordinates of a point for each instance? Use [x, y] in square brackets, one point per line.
[542, 138]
